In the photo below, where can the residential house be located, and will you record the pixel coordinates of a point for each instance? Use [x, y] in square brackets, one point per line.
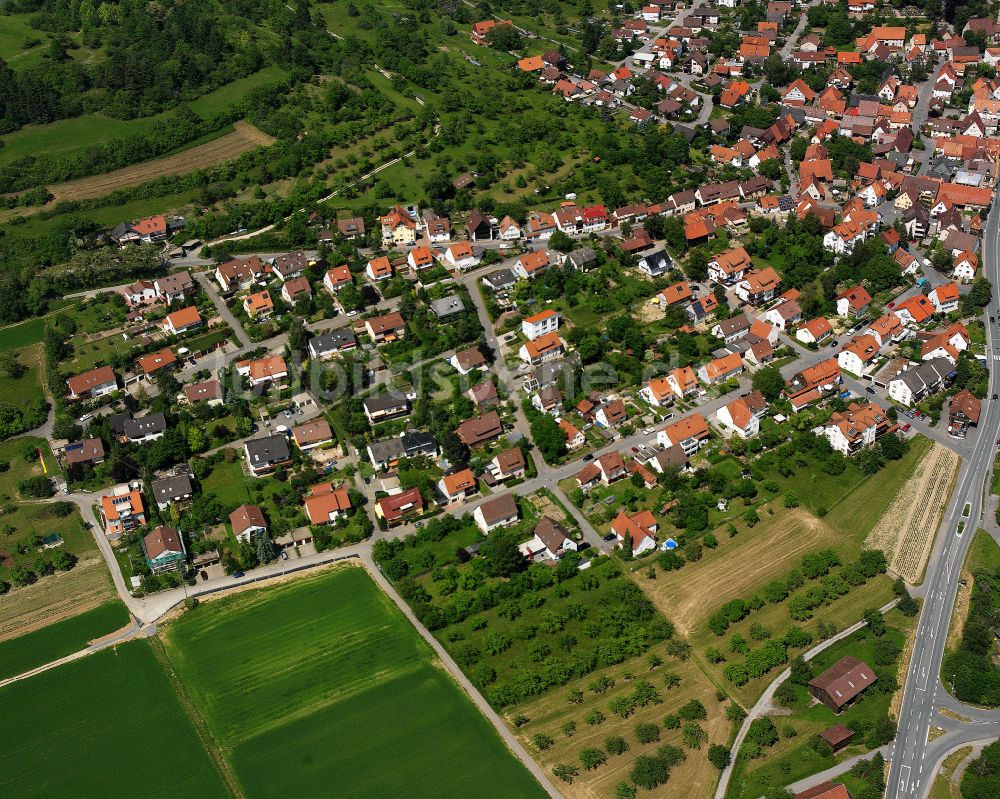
[460, 256]
[400, 508]
[258, 306]
[551, 540]
[540, 324]
[815, 331]
[732, 329]
[916, 382]
[730, 266]
[447, 306]
[155, 362]
[469, 360]
[481, 429]
[964, 411]
[174, 287]
[683, 381]
[263, 371]
[147, 428]
[784, 315]
[506, 465]
[496, 512]
[886, 329]
[169, 491]
[688, 433]
[736, 418]
[853, 302]
[458, 486]
[857, 427]
[721, 369]
[327, 345]
[182, 321]
[611, 414]
[944, 298]
[89, 451]
[325, 504]
[409, 444]
[95, 383]
[247, 521]
[353, 228]
[379, 269]
[655, 264]
[544, 348]
[964, 267]
[312, 434]
[338, 277]
[385, 328]
[295, 287]
[266, 454]
[240, 273]
[636, 531]
[758, 286]
[532, 263]
[399, 228]
[858, 354]
[658, 392]
[947, 344]
[164, 550]
[420, 258]
[574, 437]
[385, 406]
[122, 512]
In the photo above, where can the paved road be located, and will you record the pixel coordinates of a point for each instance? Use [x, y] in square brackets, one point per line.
[911, 773]
[206, 282]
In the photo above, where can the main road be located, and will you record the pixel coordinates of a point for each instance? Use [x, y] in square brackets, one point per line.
[911, 772]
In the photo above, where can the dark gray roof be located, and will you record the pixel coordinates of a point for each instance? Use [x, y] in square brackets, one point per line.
[582, 258]
[145, 426]
[447, 306]
[168, 488]
[385, 402]
[332, 341]
[270, 449]
[499, 279]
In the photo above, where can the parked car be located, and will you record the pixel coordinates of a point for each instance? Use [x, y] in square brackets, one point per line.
[610, 537]
[203, 574]
[906, 427]
[588, 457]
[869, 390]
[237, 575]
[284, 555]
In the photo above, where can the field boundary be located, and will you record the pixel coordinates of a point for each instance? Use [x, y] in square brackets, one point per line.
[208, 743]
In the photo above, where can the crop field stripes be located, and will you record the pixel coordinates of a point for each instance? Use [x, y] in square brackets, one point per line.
[208, 742]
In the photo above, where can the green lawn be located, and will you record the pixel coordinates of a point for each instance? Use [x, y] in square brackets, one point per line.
[13, 451]
[38, 647]
[28, 386]
[15, 31]
[228, 483]
[23, 334]
[107, 725]
[317, 682]
[27, 521]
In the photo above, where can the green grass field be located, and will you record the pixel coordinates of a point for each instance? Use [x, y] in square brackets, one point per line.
[107, 725]
[69, 137]
[314, 683]
[23, 334]
[36, 648]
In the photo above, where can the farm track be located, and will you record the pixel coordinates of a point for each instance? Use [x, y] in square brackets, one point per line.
[905, 532]
[198, 721]
[244, 138]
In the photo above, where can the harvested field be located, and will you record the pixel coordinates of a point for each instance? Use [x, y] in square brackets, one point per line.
[905, 533]
[55, 598]
[245, 137]
[739, 566]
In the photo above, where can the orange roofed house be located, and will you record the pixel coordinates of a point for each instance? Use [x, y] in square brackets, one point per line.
[122, 512]
[326, 504]
[637, 531]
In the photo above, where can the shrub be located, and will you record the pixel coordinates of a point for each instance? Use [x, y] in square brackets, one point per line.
[647, 733]
[592, 757]
[718, 756]
[616, 745]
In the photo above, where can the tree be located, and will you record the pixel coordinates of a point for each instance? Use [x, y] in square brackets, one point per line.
[11, 366]
[762, 732]
[624, 791]
[876, 621]
[692, 710]
[616, 745]
[718, 756]
[649, 772]
[264, 546]
[769, 382]
[501, 555]
[647, 733]
[543, 741]
[38, 487]
[547, 435]
[693, 735]
[591, 757]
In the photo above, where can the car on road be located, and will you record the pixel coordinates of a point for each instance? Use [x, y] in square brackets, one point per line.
[284, 555]
[906, 427]
[203, 574]
[833, 343]
[610, 537]
[588, 457]
[237, 575]
[352, 313]
[918, 414]
[869, 390]
[890, 304]
[994, 396]
[635, 449]
[418, 525]
[991, 320]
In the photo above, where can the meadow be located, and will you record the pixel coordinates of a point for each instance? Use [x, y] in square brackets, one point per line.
[316, 681]
[62, 638]
[106, 725]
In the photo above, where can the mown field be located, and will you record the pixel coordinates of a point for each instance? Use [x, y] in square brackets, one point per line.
[62, 638]
[107, 725]
[319, 682]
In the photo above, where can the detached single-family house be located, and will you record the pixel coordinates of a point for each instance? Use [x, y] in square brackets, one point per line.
[326, 504]
[737, 418]
[247, 521]
[164, 550]
[551, 540]
[496, 512]
[636, 531]
[92, 384]
[540, 324]
[266, 454]
[458, 486]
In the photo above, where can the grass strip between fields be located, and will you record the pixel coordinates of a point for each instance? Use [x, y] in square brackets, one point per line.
[198, 721]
